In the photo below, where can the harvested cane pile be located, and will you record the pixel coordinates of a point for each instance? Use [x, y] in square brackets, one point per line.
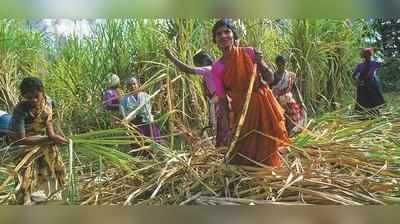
[340, 159]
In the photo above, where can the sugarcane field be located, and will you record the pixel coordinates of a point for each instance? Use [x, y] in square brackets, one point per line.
[197, 111]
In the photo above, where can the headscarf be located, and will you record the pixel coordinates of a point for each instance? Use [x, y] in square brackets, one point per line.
[367, 52]
[113, 80]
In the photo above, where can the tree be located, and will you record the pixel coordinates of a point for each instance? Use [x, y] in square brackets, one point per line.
[389, 39]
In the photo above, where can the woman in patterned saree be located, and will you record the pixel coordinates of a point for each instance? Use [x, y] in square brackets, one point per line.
[286, 92]
[39, 168]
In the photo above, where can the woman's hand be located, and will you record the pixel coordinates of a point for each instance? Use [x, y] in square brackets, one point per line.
[215, 99]
[168, 53]
[266, 72]
[58, 139]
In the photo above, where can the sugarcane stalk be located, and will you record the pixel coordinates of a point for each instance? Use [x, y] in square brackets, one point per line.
[242, 118]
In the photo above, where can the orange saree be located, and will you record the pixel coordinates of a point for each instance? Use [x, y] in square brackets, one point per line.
[264, 129]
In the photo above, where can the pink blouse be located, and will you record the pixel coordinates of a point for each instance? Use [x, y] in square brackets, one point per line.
[218, 72]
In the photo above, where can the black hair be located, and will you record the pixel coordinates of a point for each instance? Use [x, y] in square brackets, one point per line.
[224, 23]
[280, 59]
[202, 59]
[31, 85]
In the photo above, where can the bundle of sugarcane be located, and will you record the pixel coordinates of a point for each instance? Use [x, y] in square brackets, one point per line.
[338, 160]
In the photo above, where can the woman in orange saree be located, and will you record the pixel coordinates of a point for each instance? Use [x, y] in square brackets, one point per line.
[263, 131]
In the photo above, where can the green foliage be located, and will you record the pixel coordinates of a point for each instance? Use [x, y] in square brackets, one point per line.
[322, 52]
[389, 36]
[389, 75]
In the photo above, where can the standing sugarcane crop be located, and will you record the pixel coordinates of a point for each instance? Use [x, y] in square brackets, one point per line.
[40, 168]
[218, 111]
[261, 131]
